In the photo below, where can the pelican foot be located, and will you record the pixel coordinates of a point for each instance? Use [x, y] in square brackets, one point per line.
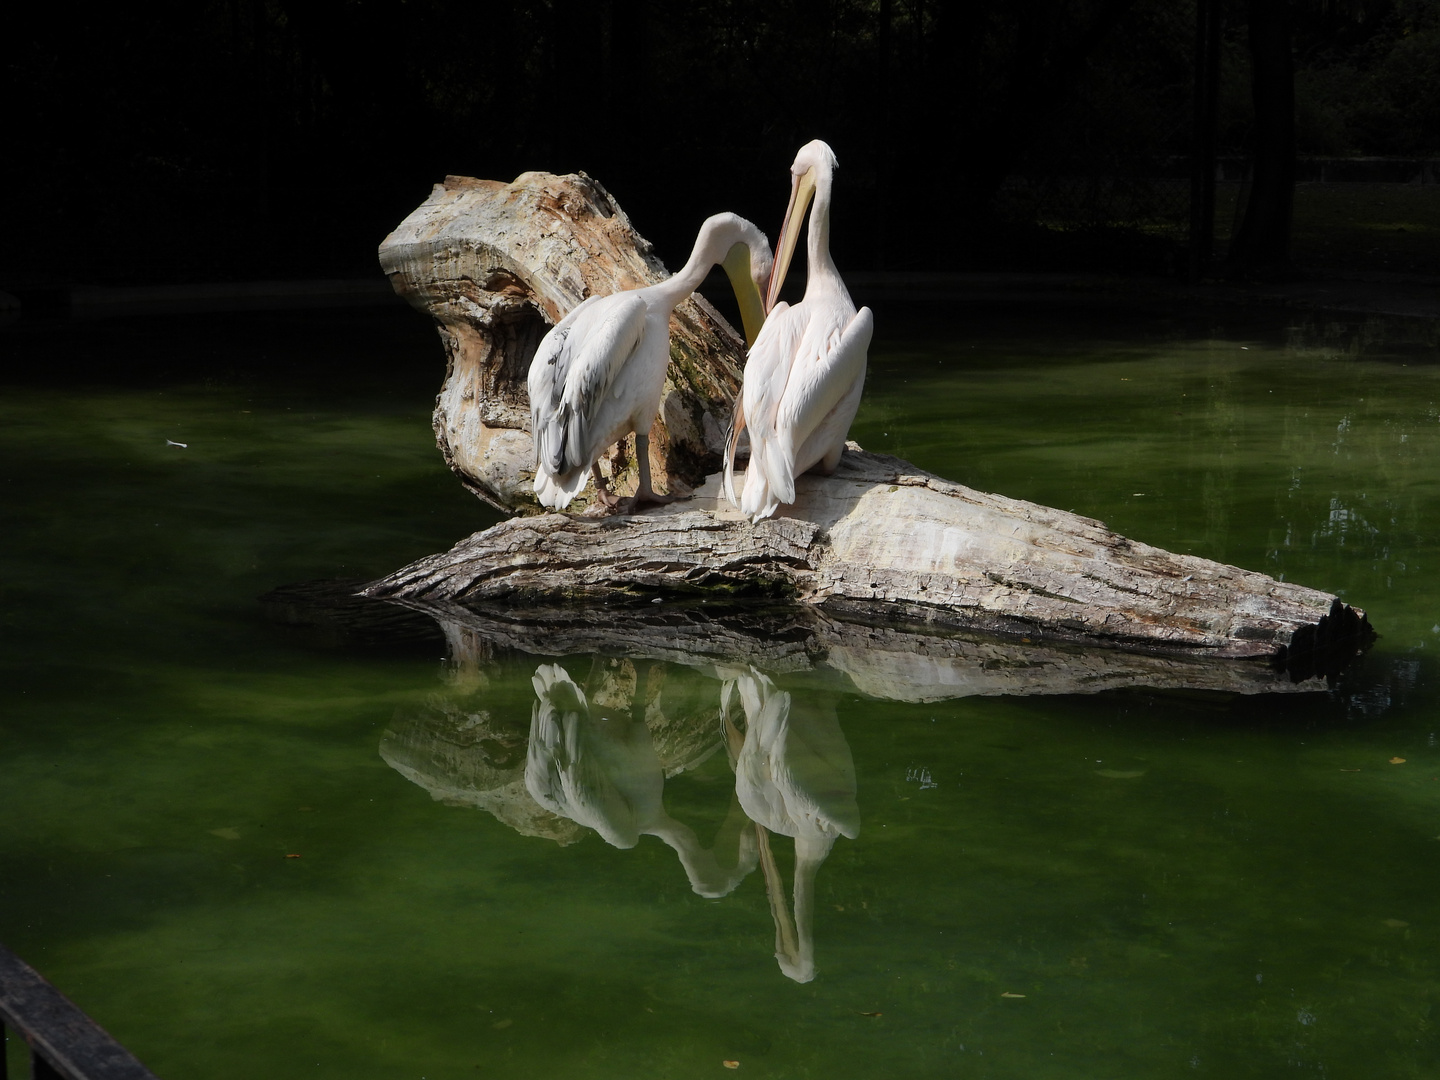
[605, 502]
[643, 498]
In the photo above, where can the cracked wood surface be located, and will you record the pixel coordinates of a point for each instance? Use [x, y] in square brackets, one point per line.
[885, 543]
[496, 265]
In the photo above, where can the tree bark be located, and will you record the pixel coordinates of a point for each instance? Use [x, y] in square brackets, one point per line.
[886, 543]
[496, 265]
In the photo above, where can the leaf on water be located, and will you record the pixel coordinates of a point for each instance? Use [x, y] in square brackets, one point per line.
[1008, 994]
[1396, 924]
[1120, 774]
[226, 833]
[872, 1014]
[1397, 761]
[292, 856]
[730, 1064]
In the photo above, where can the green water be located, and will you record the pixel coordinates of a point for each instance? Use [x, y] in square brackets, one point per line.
[1128, 884]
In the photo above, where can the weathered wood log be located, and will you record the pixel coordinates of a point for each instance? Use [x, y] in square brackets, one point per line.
[886, 543]
[496, 265]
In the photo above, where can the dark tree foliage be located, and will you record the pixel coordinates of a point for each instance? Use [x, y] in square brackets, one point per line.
[267, 138]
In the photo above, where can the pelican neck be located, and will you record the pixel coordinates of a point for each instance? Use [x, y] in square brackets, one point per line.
[817, 237]
[711, 247]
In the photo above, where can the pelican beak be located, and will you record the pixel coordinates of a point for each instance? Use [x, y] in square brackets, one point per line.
[747, 293]
[802, 190]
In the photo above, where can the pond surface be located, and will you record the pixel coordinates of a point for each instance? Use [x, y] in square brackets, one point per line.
[250, 848]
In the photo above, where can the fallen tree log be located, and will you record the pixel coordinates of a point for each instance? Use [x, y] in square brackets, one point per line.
[883, 542]
[496, 265]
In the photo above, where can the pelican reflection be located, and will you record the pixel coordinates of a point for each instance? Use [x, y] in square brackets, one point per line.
[794, 776]
[598, 767]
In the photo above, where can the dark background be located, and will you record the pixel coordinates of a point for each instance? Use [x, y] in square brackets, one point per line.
[211, 140]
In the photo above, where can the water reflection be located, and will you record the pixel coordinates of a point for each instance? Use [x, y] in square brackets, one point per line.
[588, 746]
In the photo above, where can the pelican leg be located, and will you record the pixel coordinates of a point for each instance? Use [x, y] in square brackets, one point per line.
[604, 497]
[830, 462]
[644, 493]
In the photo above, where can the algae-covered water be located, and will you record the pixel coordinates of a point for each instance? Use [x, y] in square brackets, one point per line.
[254, 849]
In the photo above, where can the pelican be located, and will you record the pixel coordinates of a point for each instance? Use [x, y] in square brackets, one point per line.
[807, 366]
[597, 375]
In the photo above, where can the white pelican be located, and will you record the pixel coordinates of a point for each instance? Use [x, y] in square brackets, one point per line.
[603, 772]
[794, 776]
[807, 367]
[598, 374]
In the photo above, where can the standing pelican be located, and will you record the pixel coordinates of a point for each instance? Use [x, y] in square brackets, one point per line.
[598, 373]
[807, 367]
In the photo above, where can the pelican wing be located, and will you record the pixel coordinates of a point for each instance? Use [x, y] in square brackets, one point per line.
[546, 379]
[766, 374]
[824, 372]
[574, 369]
[768, 370]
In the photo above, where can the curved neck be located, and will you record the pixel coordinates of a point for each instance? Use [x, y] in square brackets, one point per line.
[711, 247]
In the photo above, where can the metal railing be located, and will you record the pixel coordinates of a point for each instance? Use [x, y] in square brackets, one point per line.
[64, 1043]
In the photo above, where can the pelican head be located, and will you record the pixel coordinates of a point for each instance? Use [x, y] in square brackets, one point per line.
[813, 166]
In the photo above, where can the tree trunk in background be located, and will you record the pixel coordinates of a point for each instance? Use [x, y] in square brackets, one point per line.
[1047, 60]
[1262, 245]
[496, 265]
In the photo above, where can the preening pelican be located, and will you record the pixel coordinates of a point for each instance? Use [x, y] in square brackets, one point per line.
[599, 372]
[807, 367]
